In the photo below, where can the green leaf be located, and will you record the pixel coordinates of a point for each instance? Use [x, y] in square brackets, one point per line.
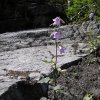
[51, 81]
[44, 80]
[51, 62]
[61, 71]
[43, 98]
[88, 96]
[56, 88]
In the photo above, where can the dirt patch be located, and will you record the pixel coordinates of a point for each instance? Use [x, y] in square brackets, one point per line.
[78, 80]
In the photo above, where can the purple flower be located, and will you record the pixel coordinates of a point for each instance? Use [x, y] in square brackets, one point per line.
[56, 35]
[62, 49]
[91, 15]
[56, 21]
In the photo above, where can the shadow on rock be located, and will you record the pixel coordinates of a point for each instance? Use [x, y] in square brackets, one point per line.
[26, 91]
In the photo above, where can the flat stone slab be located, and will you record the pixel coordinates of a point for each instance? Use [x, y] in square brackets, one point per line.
[31, 59]
[18, 64]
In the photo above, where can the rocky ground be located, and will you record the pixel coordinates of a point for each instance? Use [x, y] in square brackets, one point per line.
[79, 80]
[21, 55]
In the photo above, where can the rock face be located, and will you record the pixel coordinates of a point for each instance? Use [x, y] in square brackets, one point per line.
[91, 26]
[22, 54]
[40, 37]
[27, 14]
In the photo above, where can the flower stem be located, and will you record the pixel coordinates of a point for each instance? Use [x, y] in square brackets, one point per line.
[55, 69]
[55, 72]
[56, 55]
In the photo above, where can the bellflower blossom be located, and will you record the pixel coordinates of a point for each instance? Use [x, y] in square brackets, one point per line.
[56, 21]
[62, 49]
[56, 35]
[91, 15]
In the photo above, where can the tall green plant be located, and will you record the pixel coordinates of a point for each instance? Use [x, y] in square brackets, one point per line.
[78, 10]
[56, 35]
[93, 41]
